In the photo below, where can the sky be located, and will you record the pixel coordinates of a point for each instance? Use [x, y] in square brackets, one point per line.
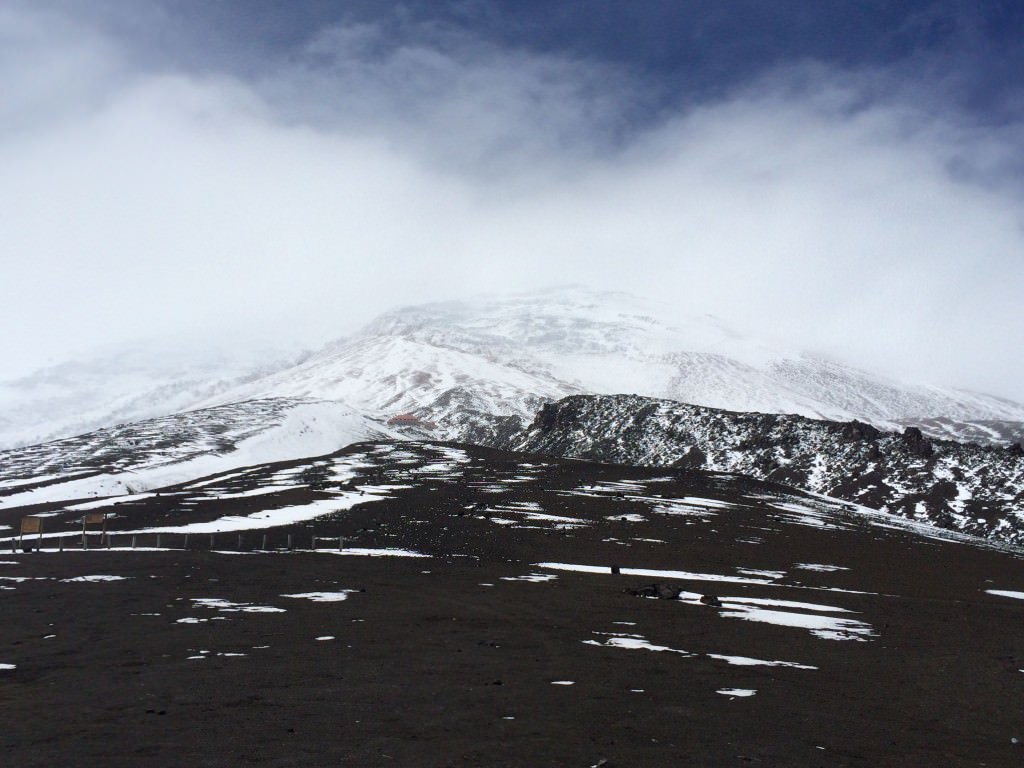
[843, 175]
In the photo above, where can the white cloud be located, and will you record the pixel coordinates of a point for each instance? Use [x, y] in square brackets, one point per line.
[370, 171]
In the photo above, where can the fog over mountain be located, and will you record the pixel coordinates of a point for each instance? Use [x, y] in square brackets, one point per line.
[458, 363]
[848, 184]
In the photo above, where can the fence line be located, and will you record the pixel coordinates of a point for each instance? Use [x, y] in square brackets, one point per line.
[114, 540]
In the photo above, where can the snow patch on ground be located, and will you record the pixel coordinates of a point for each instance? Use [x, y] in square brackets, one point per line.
[272, 518]
[368, 552]
[634, 643]
[658, 574]
[761, 572]
[324, 597]
[746, 661]
[822, 567]
[537, 577]
[1006, 593]
[825, 627]
[226, 606]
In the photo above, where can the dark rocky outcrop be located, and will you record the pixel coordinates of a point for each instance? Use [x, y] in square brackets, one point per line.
[547, 418]
[917, 443]
[966, 487]
[693, 458]
[858, 430]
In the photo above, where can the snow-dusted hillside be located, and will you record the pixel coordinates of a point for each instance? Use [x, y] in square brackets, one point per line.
[459, 364]
[968, 488]
[135, 382]
[390, 372]
[133, 458]
[452, 361]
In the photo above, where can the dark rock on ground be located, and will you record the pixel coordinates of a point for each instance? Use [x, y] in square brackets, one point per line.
[659, 590]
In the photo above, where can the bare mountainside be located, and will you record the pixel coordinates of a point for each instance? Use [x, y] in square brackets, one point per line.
[426, 604]
[959, 486]
[453, 363]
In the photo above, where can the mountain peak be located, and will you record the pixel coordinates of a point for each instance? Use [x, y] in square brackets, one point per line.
[505, 354]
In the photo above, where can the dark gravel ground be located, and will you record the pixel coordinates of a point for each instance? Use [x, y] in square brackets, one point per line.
[442, 661]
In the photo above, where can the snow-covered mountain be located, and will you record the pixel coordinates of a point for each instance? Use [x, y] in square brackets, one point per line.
[390, 371]
[134, 382]
[450, 362]
[458, 364]
[481, 369]
[968, 488]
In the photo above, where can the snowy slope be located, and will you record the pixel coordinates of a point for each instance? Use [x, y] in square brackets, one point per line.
[133, 458]
[388, 373]
[452, 362]
[137, 381]
[458, 364]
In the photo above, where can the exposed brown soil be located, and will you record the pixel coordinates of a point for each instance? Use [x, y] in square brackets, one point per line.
[440, 661]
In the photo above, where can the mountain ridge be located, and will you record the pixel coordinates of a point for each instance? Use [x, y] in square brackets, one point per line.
[457, 363]
[959, 486]
[504, 355]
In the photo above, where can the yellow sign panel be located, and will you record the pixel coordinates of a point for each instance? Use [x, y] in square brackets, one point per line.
[95, 517]
[31, 525]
